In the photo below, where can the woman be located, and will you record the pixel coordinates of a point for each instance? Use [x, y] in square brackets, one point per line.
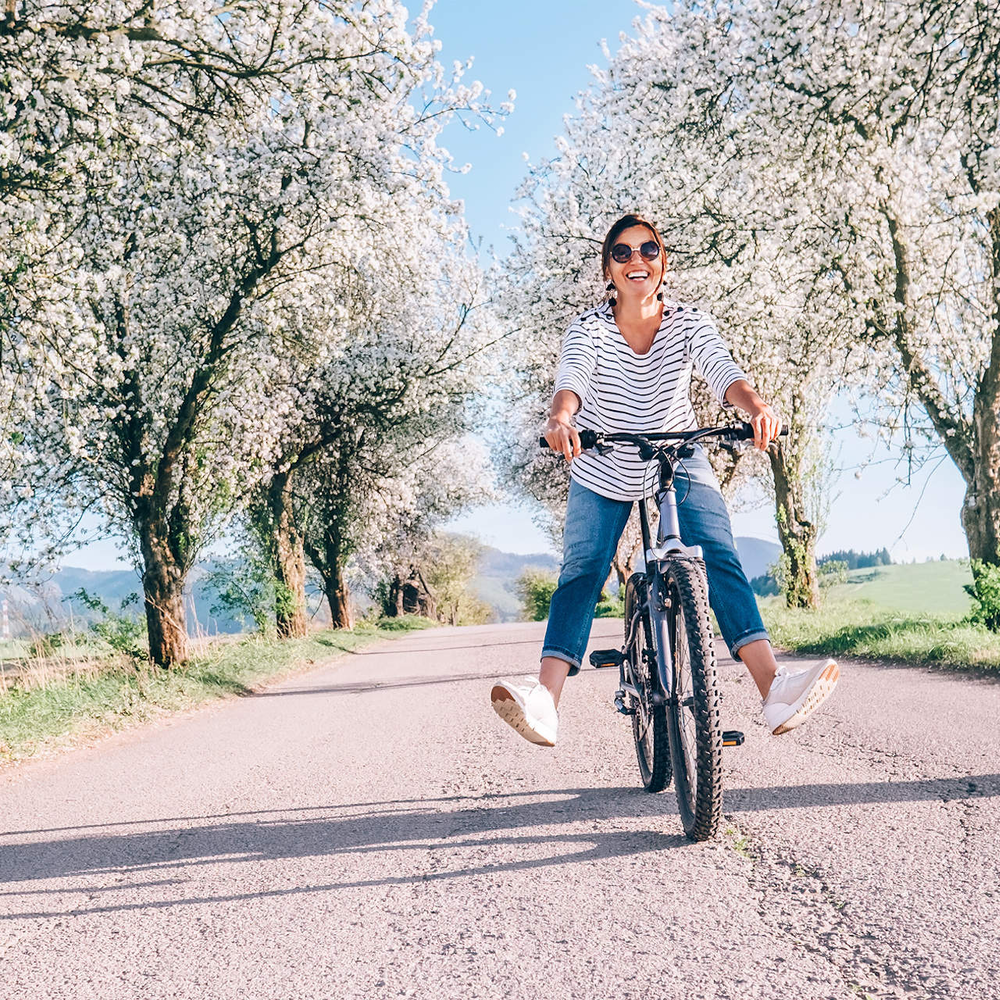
[626, 366]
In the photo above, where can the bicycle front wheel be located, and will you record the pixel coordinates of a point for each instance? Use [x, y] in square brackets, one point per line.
[693, 715]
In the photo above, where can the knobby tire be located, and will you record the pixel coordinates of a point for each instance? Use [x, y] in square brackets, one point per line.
[693, 715]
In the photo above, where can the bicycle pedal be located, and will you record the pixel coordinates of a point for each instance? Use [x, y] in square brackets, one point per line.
[606, 658]
[620, 703]
[732, 738]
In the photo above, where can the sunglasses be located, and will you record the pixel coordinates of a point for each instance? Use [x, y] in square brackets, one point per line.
[621, 253]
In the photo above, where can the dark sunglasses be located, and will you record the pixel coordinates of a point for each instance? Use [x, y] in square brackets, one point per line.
[621, 253]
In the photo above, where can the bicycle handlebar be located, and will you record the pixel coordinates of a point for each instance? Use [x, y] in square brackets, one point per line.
[740, 432]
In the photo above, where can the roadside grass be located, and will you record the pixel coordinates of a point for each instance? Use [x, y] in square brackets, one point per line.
[861, 628]
[117, 694]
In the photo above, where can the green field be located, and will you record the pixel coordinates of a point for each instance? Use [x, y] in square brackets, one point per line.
[928, 587]
[910, 613]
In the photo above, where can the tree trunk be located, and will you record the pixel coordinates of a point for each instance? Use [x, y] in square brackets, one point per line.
[338, 596]
[981, 509]
[797, 535]
[397, 584]
[622, 564]
[163, 586]
[289, 560]
[328, 556]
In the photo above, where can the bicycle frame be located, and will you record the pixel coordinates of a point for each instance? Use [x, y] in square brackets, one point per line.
[668, 546]
[675, 717]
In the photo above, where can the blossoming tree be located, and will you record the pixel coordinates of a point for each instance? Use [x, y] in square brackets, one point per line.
[889, 115]
[669, 129]
[243, 155]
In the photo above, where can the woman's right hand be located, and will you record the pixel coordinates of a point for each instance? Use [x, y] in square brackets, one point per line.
[562, 436]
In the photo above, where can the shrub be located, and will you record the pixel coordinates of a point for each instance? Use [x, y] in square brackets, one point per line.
[535, 588]
[122, 632]
[985, 591]
[47, 644]
[246, 591]
[832, 571]
[609, 607]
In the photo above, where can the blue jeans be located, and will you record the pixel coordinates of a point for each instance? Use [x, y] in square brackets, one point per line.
[593, 526]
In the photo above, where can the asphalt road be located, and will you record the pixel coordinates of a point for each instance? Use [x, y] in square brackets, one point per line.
[372, 830]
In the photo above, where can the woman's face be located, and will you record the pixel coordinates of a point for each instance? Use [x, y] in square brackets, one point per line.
[637, 277]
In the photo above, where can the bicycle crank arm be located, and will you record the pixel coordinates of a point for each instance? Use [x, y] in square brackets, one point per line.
[620, 705]
[627, 688]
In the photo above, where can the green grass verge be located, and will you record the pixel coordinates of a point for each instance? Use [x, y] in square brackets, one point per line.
[90, 703]
[861, 628]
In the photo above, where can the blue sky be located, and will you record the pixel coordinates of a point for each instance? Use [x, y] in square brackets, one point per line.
[542, 50]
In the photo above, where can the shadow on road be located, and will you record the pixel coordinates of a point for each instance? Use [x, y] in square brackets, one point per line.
[361, 687]
[486, 826]
[449, 829]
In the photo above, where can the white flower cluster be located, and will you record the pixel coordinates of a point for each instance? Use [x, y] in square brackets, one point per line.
[222, 238]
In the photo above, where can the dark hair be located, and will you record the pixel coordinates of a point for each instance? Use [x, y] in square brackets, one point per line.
[627, 222]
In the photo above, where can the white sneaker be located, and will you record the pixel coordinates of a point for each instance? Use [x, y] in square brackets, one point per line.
[793, 697]
[527, 705]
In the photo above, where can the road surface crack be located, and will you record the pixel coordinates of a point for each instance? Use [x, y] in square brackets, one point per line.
[801, 904]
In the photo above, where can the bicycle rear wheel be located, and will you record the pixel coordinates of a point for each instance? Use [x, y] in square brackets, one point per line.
[693, 713]
[649, 722]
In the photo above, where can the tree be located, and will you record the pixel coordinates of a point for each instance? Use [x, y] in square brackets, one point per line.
[254, 155]
[891, 109]
[452, 564]
[669, 129]
[412, 349]
[378, 497]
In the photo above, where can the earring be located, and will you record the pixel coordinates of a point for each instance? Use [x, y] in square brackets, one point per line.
[611, 299]
[659, 295]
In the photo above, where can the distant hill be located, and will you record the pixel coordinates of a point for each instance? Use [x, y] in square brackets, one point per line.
[50, 606]
[498, 571]
[756, 555]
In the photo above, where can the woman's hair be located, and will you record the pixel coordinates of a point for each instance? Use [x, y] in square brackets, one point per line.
[627, 222]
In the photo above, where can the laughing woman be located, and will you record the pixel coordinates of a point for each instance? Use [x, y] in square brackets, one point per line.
[626, 366]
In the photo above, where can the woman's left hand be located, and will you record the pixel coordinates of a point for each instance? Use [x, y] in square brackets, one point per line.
[766, 425]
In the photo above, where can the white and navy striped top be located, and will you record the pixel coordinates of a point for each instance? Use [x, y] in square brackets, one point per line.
[624, 391]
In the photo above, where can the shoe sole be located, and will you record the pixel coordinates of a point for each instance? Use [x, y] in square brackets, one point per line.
[822, 688]
[512, 713]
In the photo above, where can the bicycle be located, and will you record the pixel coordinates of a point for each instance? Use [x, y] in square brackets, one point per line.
[667, 674]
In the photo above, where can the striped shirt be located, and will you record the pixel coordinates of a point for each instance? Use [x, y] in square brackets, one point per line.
[623, 391]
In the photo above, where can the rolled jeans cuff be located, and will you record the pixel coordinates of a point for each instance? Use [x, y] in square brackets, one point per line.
[747, 637]
[561, 654]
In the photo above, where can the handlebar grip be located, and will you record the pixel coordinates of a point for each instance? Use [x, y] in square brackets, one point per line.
[745, 432]
[588, 439]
